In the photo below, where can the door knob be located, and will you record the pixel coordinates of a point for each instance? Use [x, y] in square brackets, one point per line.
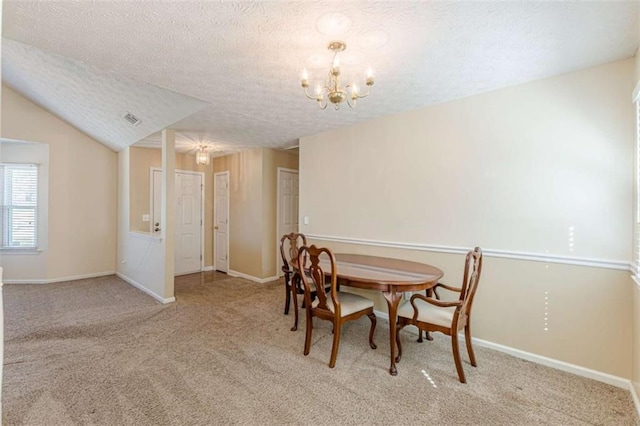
[215, 227]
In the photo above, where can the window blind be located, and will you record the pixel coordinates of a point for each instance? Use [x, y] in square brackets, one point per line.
[18, 205]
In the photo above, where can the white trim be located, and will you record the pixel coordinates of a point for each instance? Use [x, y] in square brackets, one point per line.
[228, 174]
[636, 279]
[19, 251]
[279, 271]
[559, 365]
[251, 277]
[151, 185]
[146, 290]
[506, 254]
[144, 236]
[635, 97]
[634, 396]
[208, 268]
[61, 279]
[542, 360]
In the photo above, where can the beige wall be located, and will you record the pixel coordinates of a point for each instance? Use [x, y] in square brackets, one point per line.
[636, 338]
[82, 191]
[142, 160]
[245, 210]
[272, 160]
[514, 171]
[252, 208]
[636, 286]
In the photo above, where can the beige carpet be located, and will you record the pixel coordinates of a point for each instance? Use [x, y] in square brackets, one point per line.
[101, 352]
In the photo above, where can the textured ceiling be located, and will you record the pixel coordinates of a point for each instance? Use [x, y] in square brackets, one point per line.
[92, 100]
[244, 59]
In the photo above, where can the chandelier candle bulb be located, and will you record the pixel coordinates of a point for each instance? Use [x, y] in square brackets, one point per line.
[305, 78]
[369, 77]
[354, 91]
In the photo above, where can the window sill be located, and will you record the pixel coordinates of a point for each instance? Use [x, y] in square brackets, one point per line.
[12, 250]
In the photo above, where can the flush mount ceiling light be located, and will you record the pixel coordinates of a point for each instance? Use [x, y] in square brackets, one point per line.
[202, 155]
[330, 90]
[333, 24]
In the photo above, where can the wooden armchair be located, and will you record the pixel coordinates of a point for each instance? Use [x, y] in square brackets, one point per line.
[335, 306]
[433, 314]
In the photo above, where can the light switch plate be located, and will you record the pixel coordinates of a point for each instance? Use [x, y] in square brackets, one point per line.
[146, 218]
[305, 220]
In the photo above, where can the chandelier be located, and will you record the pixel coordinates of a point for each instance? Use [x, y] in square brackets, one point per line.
[330, 90]
[202, 156]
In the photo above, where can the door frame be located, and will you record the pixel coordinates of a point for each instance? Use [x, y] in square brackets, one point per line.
[202, 203]
[226, 172]
[279, 272]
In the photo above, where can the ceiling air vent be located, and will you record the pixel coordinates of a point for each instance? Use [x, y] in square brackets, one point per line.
[132, 119]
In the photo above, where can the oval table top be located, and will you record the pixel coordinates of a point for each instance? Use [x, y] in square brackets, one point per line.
[381, 273]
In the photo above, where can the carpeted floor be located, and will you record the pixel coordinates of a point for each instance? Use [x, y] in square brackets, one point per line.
[101, 352]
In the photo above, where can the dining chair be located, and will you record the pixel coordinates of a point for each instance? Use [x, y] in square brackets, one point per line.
[431, 314]
[289, 247]
[335, 306]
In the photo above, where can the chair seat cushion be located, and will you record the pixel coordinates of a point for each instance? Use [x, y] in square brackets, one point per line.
[428, 313]
[349, 303]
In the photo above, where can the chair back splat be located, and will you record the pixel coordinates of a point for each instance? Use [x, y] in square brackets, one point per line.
[317, 275]
[289, 247]
[334, 306]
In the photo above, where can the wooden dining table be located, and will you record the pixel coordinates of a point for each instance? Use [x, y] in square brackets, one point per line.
[392, 277]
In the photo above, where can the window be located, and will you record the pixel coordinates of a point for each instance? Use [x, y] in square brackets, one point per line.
[18, 206]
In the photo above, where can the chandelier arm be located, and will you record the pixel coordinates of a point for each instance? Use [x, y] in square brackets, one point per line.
[352, 101]
[364, 95]
[307, 95]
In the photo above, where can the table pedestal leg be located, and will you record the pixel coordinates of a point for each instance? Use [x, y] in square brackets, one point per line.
[393, 300]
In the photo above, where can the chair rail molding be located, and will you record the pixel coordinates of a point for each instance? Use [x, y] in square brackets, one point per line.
[506, 254]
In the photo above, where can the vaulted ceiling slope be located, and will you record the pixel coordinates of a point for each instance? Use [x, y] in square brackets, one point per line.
[88, 61]
[93, 100]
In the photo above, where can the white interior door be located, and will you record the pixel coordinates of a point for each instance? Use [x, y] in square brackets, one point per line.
[188, 241]
[287, 206]
[221, 221]
[188, 229]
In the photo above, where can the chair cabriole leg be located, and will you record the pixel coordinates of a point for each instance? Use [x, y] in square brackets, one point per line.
[456, 356]
[398, 344]
[307, 337]
[467, 336]
[374, 321]
[336, 342]
[287, 289]
[295, 283]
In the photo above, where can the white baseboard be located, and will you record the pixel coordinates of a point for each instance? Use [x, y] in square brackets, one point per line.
[208, 268]
[549, 362]
[146, 290]
[559, 365]
[61, 279]
[634, 395]
[251, 277]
